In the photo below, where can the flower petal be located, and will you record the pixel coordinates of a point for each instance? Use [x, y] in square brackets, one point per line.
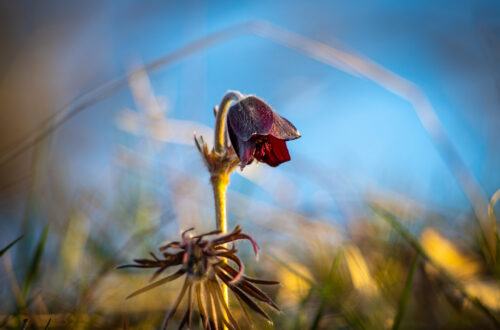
[250, 116]
[176, 303]
[217, 303]
[272, 152]
[283, 129]
[249, 288]
[244, 149]
[201, 306]
[153, 285]
[218, 291]
[240, 294]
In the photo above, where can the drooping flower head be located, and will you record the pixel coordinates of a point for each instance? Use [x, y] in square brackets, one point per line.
[205, 262]
[258, 132]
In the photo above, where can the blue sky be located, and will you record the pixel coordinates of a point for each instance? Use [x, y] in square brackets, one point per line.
[351, 126]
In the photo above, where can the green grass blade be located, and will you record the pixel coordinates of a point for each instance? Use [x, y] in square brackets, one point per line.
[396, 225]
[327, 291]
[491, 212]
[405, 297]
[298, 321]
[35, 262]
[5, 249]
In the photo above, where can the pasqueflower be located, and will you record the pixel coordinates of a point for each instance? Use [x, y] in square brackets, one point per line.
[258, 132]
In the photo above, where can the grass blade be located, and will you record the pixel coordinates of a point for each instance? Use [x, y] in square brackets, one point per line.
[405, 297]
[416, 245]
[491, 212]
[5, 249]
[327, 291]
[35, 262]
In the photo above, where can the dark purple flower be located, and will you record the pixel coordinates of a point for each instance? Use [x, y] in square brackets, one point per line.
[258, 132]
[206, 265]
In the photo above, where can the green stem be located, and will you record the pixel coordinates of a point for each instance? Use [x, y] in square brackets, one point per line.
[219, 178]
[220, 121]
[219, 185]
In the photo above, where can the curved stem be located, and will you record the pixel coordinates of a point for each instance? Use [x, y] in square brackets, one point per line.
[220, 121]
[220, 179]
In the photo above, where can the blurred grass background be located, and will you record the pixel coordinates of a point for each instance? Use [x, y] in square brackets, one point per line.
[381, 219]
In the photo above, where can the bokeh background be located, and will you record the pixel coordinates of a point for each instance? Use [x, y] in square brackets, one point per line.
[381, 219]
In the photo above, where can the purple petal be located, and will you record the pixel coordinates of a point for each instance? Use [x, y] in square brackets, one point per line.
[241, 295]
[183, 235]
[249, 288]
[239, 273]
[244, 149]
[153, 285]
[283, 129]
[250, 116]
[176, 303]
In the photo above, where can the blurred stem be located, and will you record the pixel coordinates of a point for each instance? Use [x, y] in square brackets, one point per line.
[220, 121]
[11, 244]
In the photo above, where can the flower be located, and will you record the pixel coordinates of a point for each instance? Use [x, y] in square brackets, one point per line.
[205, 263]
[258, 132]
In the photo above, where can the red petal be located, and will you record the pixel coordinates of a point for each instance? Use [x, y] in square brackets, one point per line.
[272, 151]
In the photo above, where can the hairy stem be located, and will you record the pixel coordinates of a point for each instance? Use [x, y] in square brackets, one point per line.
[220, 178]
[220, 121]
[219, 185]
